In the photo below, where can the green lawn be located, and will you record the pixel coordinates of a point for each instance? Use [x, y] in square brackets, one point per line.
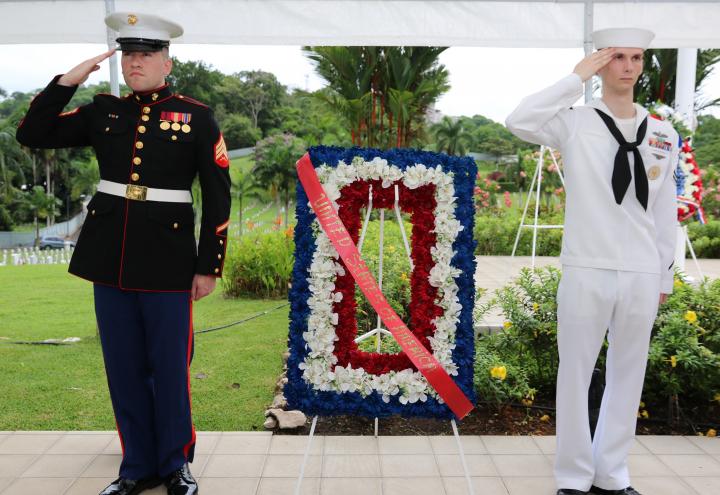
[64, 387]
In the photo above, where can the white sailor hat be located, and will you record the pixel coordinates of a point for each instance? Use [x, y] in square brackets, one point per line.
[622, 38]
[142, 32]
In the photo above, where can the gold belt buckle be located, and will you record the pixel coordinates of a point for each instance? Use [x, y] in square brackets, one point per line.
[137, 193]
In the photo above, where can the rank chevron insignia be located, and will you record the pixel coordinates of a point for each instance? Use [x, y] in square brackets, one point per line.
[221, 154]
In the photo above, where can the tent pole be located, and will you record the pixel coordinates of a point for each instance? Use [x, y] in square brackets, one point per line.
[685, 88]
[588, 44]
[114, 82]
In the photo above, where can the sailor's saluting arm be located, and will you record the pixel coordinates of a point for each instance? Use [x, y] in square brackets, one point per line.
[545, 117]
[46, 125]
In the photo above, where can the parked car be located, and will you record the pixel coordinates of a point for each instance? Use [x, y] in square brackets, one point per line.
[53, 242]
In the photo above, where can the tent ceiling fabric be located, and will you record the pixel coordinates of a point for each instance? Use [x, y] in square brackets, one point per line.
[370, 22]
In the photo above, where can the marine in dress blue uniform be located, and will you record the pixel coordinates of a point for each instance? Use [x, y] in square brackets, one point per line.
[138, 247]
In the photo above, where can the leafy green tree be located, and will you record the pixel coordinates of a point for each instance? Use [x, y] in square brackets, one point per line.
[239, 131]
[261, 94]
[197, 80]
[310, 119]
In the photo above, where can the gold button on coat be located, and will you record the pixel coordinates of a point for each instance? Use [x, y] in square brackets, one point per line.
[175, 225]
[107, 129]
[141, 129]
[219, 256]
[173, 137]
[135, 176]
[92, 212]
[221, 242]
[217, 270]
[137, 160]
[145, 118]
[146, 110]
[139, 145]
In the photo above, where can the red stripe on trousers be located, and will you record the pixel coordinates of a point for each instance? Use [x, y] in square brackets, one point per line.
[186, 449]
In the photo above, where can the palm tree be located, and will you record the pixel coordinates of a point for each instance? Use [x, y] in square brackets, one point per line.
[275, 158]
[11, 158]
[451, 137]
[245, 187]
[658, 81]
[382, 92]
[43, 205]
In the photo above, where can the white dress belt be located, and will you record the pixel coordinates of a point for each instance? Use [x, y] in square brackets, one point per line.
[142, 193]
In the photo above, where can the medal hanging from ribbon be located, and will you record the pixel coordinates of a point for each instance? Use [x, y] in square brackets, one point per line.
[334, 228]
[177, 121]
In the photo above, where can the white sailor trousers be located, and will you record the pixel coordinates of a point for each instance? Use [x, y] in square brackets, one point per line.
[591, 302]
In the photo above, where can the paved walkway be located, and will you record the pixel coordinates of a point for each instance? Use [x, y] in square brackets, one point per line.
[259, 463]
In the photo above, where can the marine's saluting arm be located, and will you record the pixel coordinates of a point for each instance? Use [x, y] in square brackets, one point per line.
[214, 173]
[46, 125]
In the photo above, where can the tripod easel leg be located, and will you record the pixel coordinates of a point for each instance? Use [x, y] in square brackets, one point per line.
[305, 457]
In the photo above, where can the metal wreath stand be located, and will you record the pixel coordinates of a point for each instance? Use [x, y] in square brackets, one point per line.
[537, 176]
[379, 331]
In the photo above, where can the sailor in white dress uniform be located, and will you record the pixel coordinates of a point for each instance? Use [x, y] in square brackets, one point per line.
[617, 251]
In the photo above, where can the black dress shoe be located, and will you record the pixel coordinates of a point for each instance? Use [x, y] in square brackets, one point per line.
[125, 486]
[570, 491]
[181, 482]
[625, 491]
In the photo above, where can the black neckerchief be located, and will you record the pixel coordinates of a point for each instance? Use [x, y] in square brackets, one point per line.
[621, 172]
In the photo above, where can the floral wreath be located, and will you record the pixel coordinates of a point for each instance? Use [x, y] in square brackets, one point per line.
[327, 373]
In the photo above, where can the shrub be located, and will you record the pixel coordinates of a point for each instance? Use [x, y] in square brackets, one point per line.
[529, 306]
[684, 358]
[495, 234]
[705, 238]
[258, 264]
[500, 378]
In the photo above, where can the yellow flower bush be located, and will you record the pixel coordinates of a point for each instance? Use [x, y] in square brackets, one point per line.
[507, 325]
[691, 317]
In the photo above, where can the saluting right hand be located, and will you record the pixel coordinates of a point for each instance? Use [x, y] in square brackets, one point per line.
[80, 73]
[589, 66]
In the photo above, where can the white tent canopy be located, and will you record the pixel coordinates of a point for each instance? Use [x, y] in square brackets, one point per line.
[493, 23]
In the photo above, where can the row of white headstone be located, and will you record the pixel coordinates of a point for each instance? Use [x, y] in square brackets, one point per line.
[35, 256]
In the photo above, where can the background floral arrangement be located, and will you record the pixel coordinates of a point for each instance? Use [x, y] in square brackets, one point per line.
[689, 184]
[687, 173]
[327, 373]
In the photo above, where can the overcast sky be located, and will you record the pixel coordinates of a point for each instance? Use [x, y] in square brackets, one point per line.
[486, 81]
